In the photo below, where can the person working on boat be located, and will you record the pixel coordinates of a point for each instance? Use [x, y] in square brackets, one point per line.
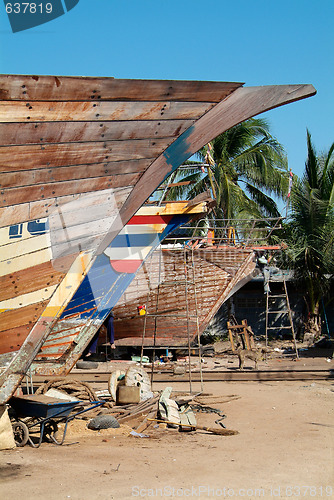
[109, 325]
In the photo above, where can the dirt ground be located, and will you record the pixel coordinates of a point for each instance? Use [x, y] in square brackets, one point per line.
[284, 449]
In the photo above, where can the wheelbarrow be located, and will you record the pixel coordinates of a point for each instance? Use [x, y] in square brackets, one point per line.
[43, 412]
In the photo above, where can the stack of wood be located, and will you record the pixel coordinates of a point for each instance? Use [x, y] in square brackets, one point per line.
[162, 409]
[132, 412]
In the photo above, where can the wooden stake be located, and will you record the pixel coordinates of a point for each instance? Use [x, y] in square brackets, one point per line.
[221, 432]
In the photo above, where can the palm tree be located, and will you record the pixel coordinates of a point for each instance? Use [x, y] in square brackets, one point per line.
[244, 167]
[311, 232]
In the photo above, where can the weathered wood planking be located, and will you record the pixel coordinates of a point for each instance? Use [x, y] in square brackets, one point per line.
[168, 304]
[23, 316]
[14, 158]
[82, 171]
[28, 299]
[25, 261]
[37, 111]
[13, 338]
[56, 132]
[32, 286]
[34, 292]
[26, 194]
[66, 88]
[58, 342]
[43, 208]
[22, 247]
[20, 282]
[178, 118]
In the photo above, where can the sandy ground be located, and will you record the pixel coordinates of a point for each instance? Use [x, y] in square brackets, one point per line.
[284, 449]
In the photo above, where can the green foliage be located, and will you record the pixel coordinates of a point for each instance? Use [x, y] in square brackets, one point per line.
[245, 167]
[311, 227]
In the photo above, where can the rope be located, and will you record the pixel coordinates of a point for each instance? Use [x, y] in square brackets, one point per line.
[76, 389]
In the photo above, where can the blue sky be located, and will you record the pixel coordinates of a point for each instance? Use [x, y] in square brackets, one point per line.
[257, 42]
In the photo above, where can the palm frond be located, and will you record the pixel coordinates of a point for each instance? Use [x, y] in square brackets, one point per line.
[311, 225]
[267, 204]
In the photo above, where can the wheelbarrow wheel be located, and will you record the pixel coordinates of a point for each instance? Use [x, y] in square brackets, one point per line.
[50, 429]
[21, 433]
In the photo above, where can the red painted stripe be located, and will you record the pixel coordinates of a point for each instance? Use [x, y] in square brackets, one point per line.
[150, 219]
[125, 266]
[53, 355]
[51, 346]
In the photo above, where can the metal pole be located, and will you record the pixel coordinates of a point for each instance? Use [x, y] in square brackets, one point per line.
[267, 306]
[197, 323]
[187, 313]
[290, 316]
[156, 316]
[145, 319]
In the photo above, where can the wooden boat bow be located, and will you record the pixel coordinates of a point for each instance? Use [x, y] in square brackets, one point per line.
[81, 155]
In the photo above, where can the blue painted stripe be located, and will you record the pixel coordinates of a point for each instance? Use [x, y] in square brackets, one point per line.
[179, 151]
[102, 278]
[134, 240]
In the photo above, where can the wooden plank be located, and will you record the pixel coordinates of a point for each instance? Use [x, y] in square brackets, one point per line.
[12, 339]
[27, 299]
[19, 317]
[53, 190]
[25, 261]
[13, 158]
[45, 317]
[34, 278]
[56, 174]
[68, 88]
[90, 212]
[17, 214]
[56, 132]
[15, 248]
[59, 111]
[62, 333]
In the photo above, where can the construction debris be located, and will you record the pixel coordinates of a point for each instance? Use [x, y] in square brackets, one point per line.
[221, 432]
[130, 401]
[136, 376]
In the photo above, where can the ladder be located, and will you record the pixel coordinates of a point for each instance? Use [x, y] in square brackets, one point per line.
[188, 280]
[273, 308]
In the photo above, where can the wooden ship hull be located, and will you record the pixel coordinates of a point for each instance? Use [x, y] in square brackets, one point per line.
[181, 290]
[85, 154]
[105, 282]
